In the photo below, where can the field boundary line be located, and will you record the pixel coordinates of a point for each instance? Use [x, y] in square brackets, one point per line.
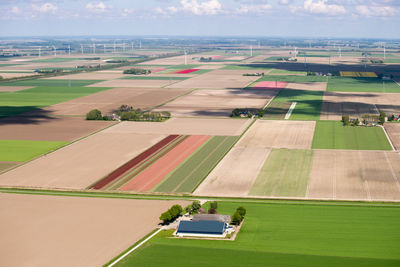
[388, 138]
[134, 248]
[292, 106]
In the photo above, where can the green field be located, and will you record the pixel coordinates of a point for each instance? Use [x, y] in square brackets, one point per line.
[6, 165]
[293, 78]
[46, 82]
[7, 65]
[287, 72]
[392, 60]
[333, 135]
[285, 174]
[245, 67]
[357, 84]
[313, 55]
[308, 105]
[287, 235]
[12, 103]
[24, 150]
[155, 78]
[187, 176]
[56, 60]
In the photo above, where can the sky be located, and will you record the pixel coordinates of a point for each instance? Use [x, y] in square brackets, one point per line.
[280, 18]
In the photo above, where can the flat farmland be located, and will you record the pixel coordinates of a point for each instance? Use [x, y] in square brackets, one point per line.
[92, 230]
[358, 84]
[217, 79]
[178, 60]
[51, 83]
[393, 130]
[82, 163]
[285, 234]
[279, 134]
[336, 104]
[308, 86]
[110, 100]
[293, 78]
[285, 173]
[14, 88]
[333, 135]
[5, 165]
[133, 83]
[185, 126]
[49, 128]
[235, 174]
[93, 75]
[217, 102]
[355, 175]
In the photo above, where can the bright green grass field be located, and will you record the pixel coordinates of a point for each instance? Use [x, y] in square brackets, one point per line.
[287, 235]
[308, 105]
[24, 150]
[392, 60]
[293, 78]
[285, 173]
[357, 84]
[333, 135]
[12, 103]
[53, 83]
[155, 78]
[187, 176]
[287, 72]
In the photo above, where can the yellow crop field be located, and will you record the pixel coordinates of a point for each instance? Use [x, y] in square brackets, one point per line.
[365, 74]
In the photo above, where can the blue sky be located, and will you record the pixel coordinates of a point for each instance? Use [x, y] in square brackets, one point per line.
[285, 18]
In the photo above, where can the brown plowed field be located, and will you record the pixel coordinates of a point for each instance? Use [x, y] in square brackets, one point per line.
[15, 75]
[110, 100]
[82, 163]
[235, 174]
[72, 231]
[393, 130]
[133, 83]
[362, 175]
[336, 104]
[154, 174]
[279, 134]
[218, 79]
[94, 75]
[184, 126]
[13, 88]
[217, 102]
[49, 128]
[311, 86]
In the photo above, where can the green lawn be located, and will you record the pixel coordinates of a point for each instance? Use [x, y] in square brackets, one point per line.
[285, 173]
[12, 103]
[293, 78]
[154, 78]
[187, 176]
[308, 105]
[287, 72]
[333, 135]
[357, 84]
[287, 235]
[53, 83]
[24, 150]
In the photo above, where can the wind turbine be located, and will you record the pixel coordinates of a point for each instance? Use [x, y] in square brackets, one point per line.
[39, 50]
[384, 51]
[82, 49]
[55, 51]
[69, 50]
[184, 51]
[104, 48]
[114, 47]
[251, 50]
[140, 44]
[94, 49]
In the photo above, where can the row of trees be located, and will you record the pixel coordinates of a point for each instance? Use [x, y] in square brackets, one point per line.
[193, 208]
[247, 112]
[238, 216]
[171, 214]
[137, 71]
[128, 113]
[367, 119]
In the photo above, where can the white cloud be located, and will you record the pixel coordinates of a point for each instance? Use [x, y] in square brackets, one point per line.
[15, 10]
[322, 7]
[245, 9]
[210, 7]
[285, 2]
[45, 8]
[99, 7]
[376, 11]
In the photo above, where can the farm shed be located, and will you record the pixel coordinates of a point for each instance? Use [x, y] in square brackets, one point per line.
[201, 228]
[212, 217]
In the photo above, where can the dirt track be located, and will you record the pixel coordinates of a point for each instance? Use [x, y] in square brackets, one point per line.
[363, 175]
[185, 126]
[82, 163]
[280, 134]
[49, 128]
[72, 231]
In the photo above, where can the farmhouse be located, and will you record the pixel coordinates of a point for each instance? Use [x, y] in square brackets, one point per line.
[201, 228]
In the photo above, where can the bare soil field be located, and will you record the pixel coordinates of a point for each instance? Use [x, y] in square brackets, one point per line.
[336, 104]
[356, 175]
[217, 102]
[314, 86]
[218, 79]
[72, 231]
[94, 75]
[184, 126]
[49, 128]
[82, 163]
[210, 67]
[393, 130]
[235, 174]
[178, 60]
[15, 75]
[13, 88]
[5, 165]
[133, 83]
[110, 100]
[279, 134]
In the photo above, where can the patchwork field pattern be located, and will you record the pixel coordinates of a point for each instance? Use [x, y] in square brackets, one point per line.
[361, 84]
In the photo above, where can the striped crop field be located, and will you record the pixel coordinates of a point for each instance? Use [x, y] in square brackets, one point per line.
[195, 168]
[364, 74]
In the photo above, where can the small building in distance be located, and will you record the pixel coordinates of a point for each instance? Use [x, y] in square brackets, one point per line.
[201, 228]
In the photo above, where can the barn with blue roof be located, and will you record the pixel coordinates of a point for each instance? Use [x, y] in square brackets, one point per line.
[204, 228]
